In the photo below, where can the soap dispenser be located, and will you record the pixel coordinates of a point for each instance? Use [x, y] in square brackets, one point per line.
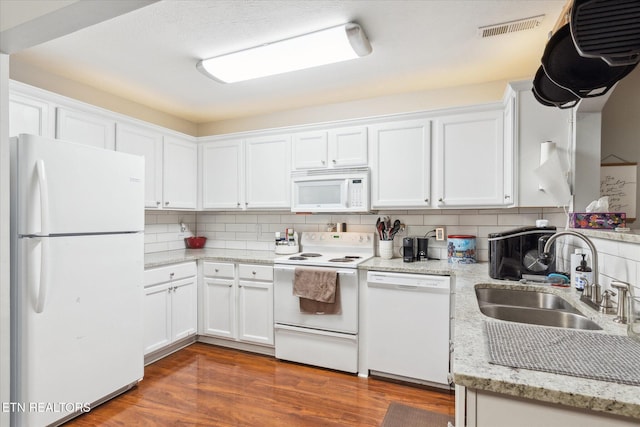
[584, 276]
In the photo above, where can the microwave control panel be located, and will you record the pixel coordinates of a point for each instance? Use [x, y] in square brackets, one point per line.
[356, 192]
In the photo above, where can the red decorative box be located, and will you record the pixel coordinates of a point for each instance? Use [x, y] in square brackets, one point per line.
[598, 220]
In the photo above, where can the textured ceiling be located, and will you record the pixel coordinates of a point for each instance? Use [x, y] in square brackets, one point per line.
[149, 55]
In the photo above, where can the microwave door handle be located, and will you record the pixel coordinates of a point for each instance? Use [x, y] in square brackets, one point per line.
[345, 193]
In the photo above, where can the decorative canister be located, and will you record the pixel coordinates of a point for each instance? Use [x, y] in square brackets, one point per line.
[461, 249]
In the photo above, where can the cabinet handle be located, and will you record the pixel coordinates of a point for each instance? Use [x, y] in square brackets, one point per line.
[216, 270]
[246, 203]
[322, 162]
[238, 204]
[253, 272]
[440, 200]
[506, 196]
[426, 200]
[171, 275]
[158, 203]
[334, 161]
[166, 203]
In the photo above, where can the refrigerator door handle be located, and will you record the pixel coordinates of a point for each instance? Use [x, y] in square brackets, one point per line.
[43, 286]
[44, 231]
[44, 197]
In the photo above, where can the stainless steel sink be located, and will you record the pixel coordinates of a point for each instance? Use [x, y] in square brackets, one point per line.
[532, 307]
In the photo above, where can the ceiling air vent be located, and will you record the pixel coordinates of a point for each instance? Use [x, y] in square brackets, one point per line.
[510, 27]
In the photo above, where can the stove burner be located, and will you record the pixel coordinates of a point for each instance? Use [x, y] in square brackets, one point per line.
[297, 258]
[345, 259]
[353, 257]
[310, 255]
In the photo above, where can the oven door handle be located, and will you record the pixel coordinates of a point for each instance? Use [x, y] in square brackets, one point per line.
[292, 268]
[316, 332]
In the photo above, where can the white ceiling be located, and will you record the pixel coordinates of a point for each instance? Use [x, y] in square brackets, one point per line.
[149, 55]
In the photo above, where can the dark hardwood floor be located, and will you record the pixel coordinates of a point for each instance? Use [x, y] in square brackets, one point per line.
[204, 385]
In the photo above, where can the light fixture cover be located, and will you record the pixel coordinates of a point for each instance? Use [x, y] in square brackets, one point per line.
[327, 46]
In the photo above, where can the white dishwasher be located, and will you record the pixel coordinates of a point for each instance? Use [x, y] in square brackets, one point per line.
[408, 324]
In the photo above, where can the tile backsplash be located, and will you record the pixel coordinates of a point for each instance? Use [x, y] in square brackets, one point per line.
[255, 230]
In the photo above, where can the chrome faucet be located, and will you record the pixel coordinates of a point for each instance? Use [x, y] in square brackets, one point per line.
[591, 294]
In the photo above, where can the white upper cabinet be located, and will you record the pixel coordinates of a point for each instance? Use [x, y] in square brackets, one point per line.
[536, 124]
[179, 173]
[147, 143]
[470, 160]
[85, 128]
[342, 147]
[268, 172]
[28, 115]
[401, 164]
[222, 179]
[310, 150]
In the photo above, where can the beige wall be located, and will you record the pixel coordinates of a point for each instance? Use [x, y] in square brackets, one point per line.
[393, 104]
[94, 96]
[621, 125]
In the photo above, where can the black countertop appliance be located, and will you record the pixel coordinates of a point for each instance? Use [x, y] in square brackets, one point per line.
[513, 254]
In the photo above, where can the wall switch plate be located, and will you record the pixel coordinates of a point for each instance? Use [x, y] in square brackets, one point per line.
[440, 233]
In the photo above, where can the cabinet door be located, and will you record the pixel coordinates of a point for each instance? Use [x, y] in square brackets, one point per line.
[401, 164]
[219, 308]
[85, 128]
[310, 150]
[268, 169]
[28, 115]
[148, 144]
[184, 313]
[255, 310]
[157, 317]
[348, 147]
[536, 124]
[470, 159]
[222, 175]
[180, 176]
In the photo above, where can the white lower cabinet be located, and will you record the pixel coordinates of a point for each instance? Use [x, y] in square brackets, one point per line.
[170, 305]
[238, 306]
[476, 408]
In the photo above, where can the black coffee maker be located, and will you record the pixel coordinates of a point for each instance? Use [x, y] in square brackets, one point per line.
[407, 249]
[423, 244]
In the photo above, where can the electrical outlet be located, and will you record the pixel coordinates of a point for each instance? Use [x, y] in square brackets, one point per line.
[440, 233]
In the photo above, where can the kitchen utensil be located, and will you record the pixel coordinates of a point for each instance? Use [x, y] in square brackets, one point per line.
[550, 94]
[607, 29]
[585, 77]
[380, 228]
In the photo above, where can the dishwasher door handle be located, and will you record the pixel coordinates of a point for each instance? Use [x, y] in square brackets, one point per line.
[410, 288]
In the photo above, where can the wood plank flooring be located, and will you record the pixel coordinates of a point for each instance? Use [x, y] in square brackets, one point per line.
[204, 385]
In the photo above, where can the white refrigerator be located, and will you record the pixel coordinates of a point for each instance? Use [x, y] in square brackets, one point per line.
[77, 257]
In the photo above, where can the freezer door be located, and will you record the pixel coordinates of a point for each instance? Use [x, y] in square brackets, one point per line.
[86, 341]
[64, 188]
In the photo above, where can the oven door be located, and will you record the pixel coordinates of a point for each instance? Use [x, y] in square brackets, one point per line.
[287, 306]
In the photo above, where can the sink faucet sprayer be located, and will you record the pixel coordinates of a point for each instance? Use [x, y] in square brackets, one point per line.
[591, 294]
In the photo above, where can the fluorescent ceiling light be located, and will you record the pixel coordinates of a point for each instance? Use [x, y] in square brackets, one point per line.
[335, 44]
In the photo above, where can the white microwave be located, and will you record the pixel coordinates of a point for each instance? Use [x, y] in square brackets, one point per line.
[330, 190]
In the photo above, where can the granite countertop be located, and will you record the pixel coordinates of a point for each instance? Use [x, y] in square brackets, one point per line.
[471, 367]
[156, 259]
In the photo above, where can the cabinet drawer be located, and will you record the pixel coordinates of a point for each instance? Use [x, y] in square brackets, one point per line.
[255, 272]
[218, 269]
[157, 275]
